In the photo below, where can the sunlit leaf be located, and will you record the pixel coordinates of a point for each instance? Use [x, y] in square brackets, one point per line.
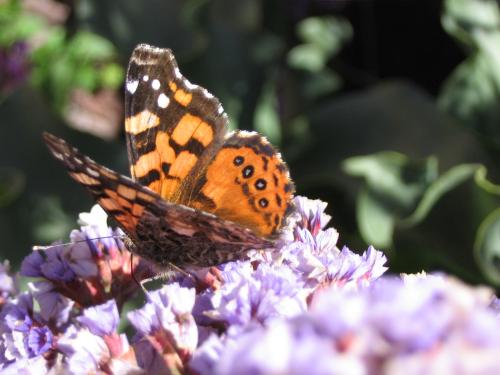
[446, 182]
[375, 220]
[398, 180]
[399, 192]
[327, 33]
[308, 57]
[51, 222]
[472, 92]
[266, 119]
[487, 247]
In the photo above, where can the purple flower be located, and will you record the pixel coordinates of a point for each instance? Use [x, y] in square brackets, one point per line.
[94, 226]
[40, 340]
[24, 334]
[54, 307]
[8, 285]
[13, 66]
[312, 216]
[86, 353]
[167, 330]
[101, 320]
[49, 264]
[168, 309]
[26, 366]
[266, 293]
[279, 348]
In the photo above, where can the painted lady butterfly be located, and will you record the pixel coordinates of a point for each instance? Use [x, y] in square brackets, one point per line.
[198, 196]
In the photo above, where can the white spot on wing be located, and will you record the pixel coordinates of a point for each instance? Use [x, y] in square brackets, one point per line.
[145, 78]
[163, 101]
[207, 94]
[177, 73]
[58, 155]
[132, 86]
[189, 85]
[92, 172]
[155, 84]
[220, 110]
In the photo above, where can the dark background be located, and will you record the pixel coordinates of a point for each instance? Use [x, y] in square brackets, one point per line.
[389, 93]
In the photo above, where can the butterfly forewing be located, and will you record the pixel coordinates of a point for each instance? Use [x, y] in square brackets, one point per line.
[161, 231]
[173, 128]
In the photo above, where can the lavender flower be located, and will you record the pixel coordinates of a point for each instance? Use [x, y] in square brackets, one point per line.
[313, 253]
[13, 66]
[305, 307]
[167, 330]
[8, 284]
[93, 268]
[24, 334]
[96, 346]
[101, 320]
[260, 295]
[392, 326]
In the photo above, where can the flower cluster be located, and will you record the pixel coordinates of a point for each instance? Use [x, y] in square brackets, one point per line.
[305, 307]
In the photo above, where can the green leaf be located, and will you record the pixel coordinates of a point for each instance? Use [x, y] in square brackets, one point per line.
[487, 247]
[397, 180]
[16, 25]
[445, 183]
[326, 33]
[399, 192]
[375, 221]
[472, 91]
[51, 222]
[308, 57]
[111, 76]
[88, 46]
[484, 183]
[266, 119]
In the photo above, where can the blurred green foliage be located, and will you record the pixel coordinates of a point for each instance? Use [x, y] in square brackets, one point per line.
[356, 116]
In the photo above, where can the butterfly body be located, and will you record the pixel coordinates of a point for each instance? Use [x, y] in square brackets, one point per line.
[198, 196]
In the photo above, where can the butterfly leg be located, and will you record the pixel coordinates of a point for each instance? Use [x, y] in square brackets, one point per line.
[168, 274]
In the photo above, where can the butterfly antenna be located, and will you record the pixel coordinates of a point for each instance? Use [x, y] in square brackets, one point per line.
[38, 247]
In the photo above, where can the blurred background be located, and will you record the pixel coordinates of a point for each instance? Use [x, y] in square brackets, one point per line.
[389, 110]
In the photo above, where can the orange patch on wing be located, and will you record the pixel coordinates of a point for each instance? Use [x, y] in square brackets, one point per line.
[137, 210]
[167, 153]
[126, 192]
[204, 134]
[253, 201]
[182, 97]
[185, 128]
[145, 163]
[145, 197]
[141, 122]
[84, 178]
[183, 164]
[169, 187]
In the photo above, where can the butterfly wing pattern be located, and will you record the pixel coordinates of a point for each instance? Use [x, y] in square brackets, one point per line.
[198, 196]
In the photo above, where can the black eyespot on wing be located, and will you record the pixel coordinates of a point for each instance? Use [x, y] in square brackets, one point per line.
[263, 202]
[238, 160]
[260, 184]
[248, 171]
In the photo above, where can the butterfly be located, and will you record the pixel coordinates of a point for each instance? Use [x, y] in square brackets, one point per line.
[199, 195]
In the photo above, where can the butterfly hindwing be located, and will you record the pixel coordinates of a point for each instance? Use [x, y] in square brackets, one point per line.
[164, 232]
[248, 183]
[173, 128]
